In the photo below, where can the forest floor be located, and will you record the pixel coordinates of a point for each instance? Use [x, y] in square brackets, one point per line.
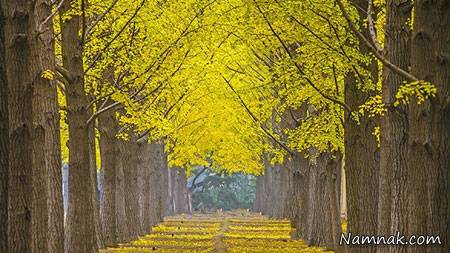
[233, 232]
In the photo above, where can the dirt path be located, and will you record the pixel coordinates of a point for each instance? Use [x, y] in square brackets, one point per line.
[232, 232]
[219, 245]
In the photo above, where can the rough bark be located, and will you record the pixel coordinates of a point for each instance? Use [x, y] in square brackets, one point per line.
[18, 59]
[281, 190]
[81, 235]
[48, 232]
[95, 186]
[121, 216]
[46, 41]
[304, 181]
[393, 171]
[172, 205]
[154, 186]
[4, 141]
[39, 219]
[107, 127]
[131, 189]
[268, 194]
[298, 206]
[257, 205]
[361, 156]
[180, 191]
[184, 191]
[164, 182]
[145, 160]
[429, 126]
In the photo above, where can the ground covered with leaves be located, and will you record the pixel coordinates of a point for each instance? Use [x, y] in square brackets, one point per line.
[234, 232]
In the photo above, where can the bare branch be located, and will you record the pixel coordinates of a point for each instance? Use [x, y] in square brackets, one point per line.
[99, 18]
[103, 110]
[47, 19]
[371, 27]
[386, 62]
[64, 73]
[100, 53]
[299, 68]
[256, 120]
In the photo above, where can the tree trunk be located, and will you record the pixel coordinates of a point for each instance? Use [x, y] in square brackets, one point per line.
[429, 127]
[362, 156]
[144, 168]
[164, 184]
[121, 216]
[257, 205]
[393, 171]
[44, 98]
[131, 189]
[95, 186]
[154, 185]
[323, 225]
[80, 221]
[282, 188]
[4, 140]
[18, 59]
[51, 122]
[181, 191]
[107, 127]
[147, 170]
[269, 189]
[296, 203]
[171, 208]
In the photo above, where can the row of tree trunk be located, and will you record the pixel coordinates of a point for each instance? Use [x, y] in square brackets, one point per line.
[306, 191]
[400, 185]
[30, 160]
[135, 177]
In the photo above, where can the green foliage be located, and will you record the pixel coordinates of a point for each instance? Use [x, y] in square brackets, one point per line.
[223, 191]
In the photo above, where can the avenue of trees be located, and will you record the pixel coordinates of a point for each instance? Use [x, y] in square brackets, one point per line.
[305, 95]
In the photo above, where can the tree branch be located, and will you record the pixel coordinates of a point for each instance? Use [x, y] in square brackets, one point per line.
[372, 48]
[100, 53]
[299, 68]
[371, 27]
[47, 19]
[256, 120]
[64, 73]
[95, 23]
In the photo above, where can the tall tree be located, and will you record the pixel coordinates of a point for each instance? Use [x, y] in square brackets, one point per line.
[394, 125]
[154, 185]
[47, 196]
[429, 123]
[80, 235]
[361, 149]
[144, 158]
[50, 120]
[121, 215]
[94, 183]
[130, 170]
[4, 140]
[18, 34]
[107, 127]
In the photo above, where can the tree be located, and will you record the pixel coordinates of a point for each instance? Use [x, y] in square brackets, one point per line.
[108, 127]
[361, 148]
[18, 60]
[4, 140]
[393, 206]
[80, 236]
[428, 121]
